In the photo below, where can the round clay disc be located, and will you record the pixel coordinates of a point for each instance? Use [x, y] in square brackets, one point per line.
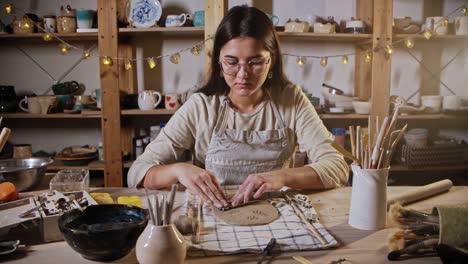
[257, 213]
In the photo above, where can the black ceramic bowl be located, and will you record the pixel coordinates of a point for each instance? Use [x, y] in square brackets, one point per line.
[103, 232]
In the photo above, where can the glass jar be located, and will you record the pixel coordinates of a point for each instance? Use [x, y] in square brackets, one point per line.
[339, 135]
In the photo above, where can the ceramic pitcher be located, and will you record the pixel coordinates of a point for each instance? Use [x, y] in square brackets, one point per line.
[160, 244]
[148, 100]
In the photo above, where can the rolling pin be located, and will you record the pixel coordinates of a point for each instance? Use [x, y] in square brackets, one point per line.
[4, 137]
[422, 192]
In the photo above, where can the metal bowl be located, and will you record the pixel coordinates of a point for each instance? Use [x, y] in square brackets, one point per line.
[23, 173]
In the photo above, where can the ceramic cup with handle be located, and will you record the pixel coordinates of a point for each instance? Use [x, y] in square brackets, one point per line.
[436, 25]
[48, 103]
[461, 25]
[148, 100]
[32, 107]
[176, 20]
[172, 101]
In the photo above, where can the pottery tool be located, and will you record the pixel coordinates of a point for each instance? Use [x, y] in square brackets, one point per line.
[268, 250]
[412, 218]
[351, 136]
[199, 219]
[386, 138]
[301, 260]
[414, 248]
[344, 152]
[393, 145]
[378, 143]
[421, 192]
[156, 209]
[304, 220]
[4, 137]
[150, 207]
[164, 209]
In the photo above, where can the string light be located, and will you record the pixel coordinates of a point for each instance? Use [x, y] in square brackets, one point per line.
[8, 8]
[47, 36]
[128, 65]
[107, 61]
[26, 25]
[464, 10]
[175, 58]
[368, 57]
[86, 54]
[151, 62]
[409, 43]
[64, 48]
[445, 22]
[301, 61]
[345, 59]
[196, 50]
[324, 61]
[427, 34]
[389, 50]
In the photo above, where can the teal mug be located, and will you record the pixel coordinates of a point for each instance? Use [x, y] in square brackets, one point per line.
[66, 87]
[274, 19]
[199, 18]
[65, 102]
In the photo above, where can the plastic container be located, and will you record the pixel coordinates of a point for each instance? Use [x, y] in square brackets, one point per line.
[416, 137]
[339, 135]
[70, 181]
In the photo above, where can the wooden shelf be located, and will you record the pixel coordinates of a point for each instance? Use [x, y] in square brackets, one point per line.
[148, 112]
[432, 117]
[95, 165]
[163, 30]
[421, 36]
[430, 168]
[343, 116]
[83, 115]
[38, 36]
[335, 37]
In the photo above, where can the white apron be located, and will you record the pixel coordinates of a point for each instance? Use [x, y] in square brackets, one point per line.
[235, 154]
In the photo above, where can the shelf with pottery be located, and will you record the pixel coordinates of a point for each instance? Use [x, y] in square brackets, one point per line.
[163, 30]
[38, 36]
[335, 37]
[129, 112]
[429, 168]
[83, 115]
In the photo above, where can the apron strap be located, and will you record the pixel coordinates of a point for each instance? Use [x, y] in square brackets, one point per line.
[275, 110]
[222, 119]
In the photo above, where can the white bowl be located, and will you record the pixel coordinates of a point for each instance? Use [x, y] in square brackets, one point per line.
[362, 108]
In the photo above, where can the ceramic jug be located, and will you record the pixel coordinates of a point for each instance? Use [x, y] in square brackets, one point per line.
[148, 100]
[160, 244]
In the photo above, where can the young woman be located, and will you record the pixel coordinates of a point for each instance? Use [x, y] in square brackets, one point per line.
[244, 125]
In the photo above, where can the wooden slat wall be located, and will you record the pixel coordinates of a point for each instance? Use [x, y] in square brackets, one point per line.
[214, 13]
[110, 122]
[381, 62]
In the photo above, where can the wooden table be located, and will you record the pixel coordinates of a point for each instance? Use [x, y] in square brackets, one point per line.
[357, 246]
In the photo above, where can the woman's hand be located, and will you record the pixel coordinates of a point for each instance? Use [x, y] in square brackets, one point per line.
[202, 183]
[259, 182]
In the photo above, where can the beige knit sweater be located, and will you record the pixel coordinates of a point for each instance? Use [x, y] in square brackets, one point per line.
[192, 125]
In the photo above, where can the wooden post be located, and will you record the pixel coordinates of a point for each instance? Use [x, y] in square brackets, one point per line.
[381, 62]
[362, 73]
[214, 13]
[110, 100]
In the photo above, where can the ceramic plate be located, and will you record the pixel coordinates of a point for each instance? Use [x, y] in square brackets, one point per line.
[144, 13]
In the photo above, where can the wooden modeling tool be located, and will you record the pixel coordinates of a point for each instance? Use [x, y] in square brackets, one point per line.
[344, 152]
[304, 220]
[301, 260]
[4, 137]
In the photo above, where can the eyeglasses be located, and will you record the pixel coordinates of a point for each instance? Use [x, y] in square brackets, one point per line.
[255, 66]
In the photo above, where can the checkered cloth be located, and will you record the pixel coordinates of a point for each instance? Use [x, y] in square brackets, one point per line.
[291, 234]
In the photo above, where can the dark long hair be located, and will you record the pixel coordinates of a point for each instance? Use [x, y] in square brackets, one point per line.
[245, 21]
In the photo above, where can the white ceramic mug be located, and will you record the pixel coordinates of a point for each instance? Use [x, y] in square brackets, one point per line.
[436, 25]
[176, 20]
[148, 100]
[50, 23]
[172, 101]
[452, 102]
[33, 105]
[434, 102]
[461, 25]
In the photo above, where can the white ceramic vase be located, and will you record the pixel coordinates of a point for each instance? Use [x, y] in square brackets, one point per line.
[160, 244]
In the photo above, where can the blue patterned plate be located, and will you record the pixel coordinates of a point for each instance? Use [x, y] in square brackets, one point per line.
[144, 13]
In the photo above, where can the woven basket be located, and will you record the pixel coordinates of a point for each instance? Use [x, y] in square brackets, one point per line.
[434, 156]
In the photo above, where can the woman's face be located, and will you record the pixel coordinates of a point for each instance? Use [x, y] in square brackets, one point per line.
[245, 65]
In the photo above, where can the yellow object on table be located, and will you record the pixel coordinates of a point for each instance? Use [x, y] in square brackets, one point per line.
[130, 200]
[102, 198]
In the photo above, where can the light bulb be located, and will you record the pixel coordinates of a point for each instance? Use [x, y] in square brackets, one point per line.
[26, 25]
[128, 65]
[368, 57]
[301, 61]
[8, 8]
[389, 49]
[427, 34]
[195, 50]
[345, 59]
[64, 48]
[47, 36]
[464, 10]
[324, 61]
[175, 58]
[445, 22]
[151, 62]
[107, 61]
[86, 54]
[409, 43]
